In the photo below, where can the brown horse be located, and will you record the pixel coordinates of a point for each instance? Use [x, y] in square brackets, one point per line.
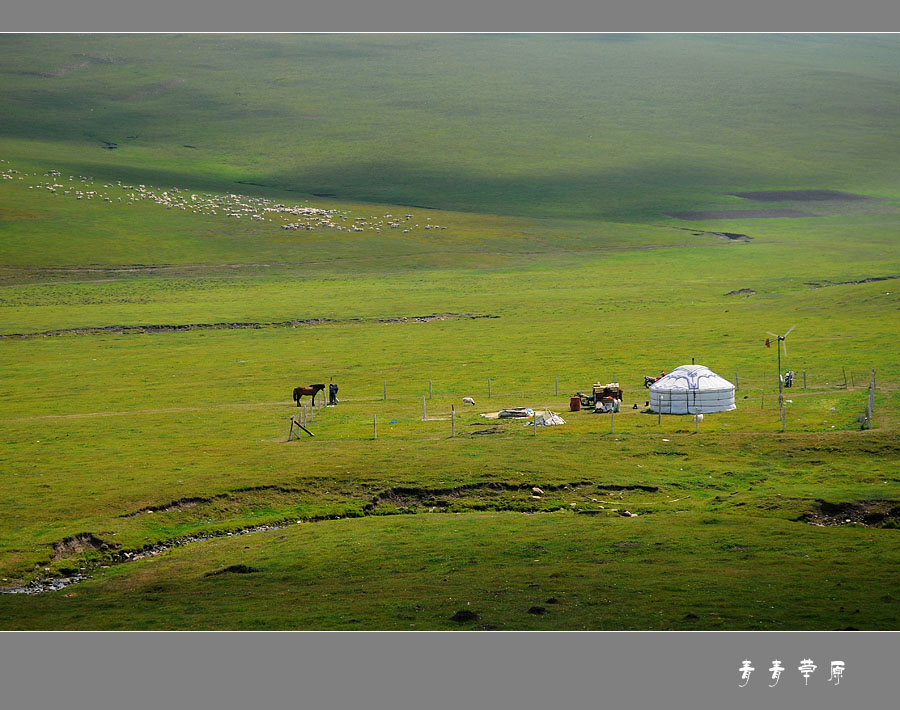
[312, 391]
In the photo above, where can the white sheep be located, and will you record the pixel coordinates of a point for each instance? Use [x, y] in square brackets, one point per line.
[468, 400]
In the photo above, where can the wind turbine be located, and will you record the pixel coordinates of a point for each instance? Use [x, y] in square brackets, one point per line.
[780, 339]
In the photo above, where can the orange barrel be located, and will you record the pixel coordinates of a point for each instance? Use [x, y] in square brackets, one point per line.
[575, 403]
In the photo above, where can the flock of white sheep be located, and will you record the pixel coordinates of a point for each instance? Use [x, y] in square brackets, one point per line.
[231, 205]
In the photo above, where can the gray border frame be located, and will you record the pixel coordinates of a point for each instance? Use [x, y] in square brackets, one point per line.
[444, 670]
[341, 670]
[458, 16]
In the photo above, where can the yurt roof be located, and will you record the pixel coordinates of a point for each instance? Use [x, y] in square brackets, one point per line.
[691, 377]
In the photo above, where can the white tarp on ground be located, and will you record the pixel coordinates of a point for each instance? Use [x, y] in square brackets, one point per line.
[547, 419]
[690, 389]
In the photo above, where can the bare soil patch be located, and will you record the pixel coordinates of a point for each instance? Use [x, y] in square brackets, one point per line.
[485, 496]
[464, 615]
[60, 71]
[739, 214]
[193, 502]
[76, 544]
[741, 292]
[181, 504]
[733, 236]
[134, 329]
[871, 513]
[154, 89]
[871, 279]
[489, 430]
[233, 569]
[800, 196]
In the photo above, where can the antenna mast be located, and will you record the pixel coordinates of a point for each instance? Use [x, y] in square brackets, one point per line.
[780, 339]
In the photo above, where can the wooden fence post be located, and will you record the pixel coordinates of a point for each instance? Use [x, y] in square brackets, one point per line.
[423, 408]
[804, 379]
[452, 421]
[556, 385]
[737, 383]
[870, 403]
[384, 391]
[299, 426]
[374, 426]
[489, 387]
[612, 422]
[429, 389]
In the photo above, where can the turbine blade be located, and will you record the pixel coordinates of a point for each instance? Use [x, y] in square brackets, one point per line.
[789, 332]
[774, 335]
[784, 345]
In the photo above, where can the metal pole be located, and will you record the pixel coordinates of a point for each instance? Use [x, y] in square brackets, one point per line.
[872, 393]
[384, 391]
[374, 426]
[780, 389]
[696, 422]
[489, 387]
[612, 423]
[556, 385]
[423, 408]
[452, 421]
[429, 389]
[845, 377]
[534, 423]
[804, 379]
[737, 382]
[871, 402]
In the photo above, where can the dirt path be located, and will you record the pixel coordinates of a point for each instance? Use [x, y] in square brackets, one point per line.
[151, 329]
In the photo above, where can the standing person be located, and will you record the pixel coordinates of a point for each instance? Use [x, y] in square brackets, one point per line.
[332, 394]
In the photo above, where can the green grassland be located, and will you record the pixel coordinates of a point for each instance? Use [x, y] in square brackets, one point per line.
[497, 209]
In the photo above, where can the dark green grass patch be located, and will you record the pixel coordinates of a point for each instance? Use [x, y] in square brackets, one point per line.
[421, 572]
[543, 126]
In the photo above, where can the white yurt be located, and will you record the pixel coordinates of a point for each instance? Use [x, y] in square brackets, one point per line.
[690, 389]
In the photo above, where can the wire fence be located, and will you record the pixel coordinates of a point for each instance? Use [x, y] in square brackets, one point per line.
[756, 387]
[557, 386]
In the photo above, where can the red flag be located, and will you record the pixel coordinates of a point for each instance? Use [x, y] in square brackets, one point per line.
[768, 345]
